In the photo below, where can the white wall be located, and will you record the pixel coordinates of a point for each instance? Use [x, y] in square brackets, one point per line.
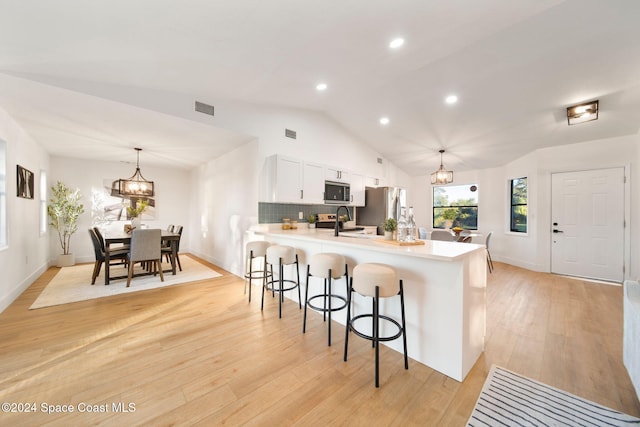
[533, 249]
[224, 205]
[26, 256]
[173, 193]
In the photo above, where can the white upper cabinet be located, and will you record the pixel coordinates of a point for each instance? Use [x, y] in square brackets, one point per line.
[313, 183]
[357, 189]
[373, 181]
[291, 180]
[335, 174]
[288, 185]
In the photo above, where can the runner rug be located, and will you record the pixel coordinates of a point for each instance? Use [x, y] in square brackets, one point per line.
[73, 284]
[509, 399]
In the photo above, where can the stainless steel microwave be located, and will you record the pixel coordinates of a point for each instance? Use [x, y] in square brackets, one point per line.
[337, 192]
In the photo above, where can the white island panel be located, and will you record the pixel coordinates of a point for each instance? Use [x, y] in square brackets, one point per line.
[444, 286]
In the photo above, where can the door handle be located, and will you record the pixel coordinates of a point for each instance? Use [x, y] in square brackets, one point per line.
[558, 231]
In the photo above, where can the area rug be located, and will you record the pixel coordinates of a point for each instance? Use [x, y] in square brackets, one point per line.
[73, 284]
[509, 399]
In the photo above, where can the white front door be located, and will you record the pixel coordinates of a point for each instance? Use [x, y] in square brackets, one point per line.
[587, 224]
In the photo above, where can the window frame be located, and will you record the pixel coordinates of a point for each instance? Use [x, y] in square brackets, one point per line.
[457, 207]
[4, 214]
[513, 206]
[44, 216]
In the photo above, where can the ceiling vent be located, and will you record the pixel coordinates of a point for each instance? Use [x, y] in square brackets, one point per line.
[201, 107]
[290, 133]
[379, 160]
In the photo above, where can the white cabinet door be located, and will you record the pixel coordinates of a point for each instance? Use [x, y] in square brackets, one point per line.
[373, 181]
[335, 174]
[288, 186]
[357, 189]
[313, 186]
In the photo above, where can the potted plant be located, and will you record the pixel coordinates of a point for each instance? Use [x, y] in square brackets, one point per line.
[449, 215]
[135, 212]
[312, 220]
[64, 209]
[390, 225]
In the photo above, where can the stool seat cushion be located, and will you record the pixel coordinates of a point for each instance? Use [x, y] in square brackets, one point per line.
[321, 263]
[367, 276]
[258, 247]
[275, 252]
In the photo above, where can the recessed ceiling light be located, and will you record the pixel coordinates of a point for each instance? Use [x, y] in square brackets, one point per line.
[451, 99]
[396, 43]
[384, 120]
[321, 86]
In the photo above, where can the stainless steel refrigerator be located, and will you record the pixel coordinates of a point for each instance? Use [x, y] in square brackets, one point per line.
[381, 203]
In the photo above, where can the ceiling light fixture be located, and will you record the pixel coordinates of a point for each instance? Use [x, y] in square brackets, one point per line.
[135, 185]
[321, 86]
[582, 113]
[442, 176]
[384, 120]
[451, 99]
[396, 43]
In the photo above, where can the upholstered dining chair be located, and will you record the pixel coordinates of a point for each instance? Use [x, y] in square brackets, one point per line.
[166, 250]
[145, 247]
[489, 260]
[444, 235]
[118, 255]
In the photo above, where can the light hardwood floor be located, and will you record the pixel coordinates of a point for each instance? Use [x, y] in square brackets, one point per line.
[199, 354]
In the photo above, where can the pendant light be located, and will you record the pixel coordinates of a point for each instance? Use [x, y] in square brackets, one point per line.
[442, 176]
[135, 185]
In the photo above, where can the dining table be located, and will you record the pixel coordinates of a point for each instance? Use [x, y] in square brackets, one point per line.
[125, 238]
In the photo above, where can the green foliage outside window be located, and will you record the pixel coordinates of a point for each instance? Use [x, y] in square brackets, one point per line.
[518, 223]
[455, 206]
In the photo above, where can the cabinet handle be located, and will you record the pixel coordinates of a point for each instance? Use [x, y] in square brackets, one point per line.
[302, 194]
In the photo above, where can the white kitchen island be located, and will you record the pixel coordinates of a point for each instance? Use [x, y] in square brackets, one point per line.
[444, 285]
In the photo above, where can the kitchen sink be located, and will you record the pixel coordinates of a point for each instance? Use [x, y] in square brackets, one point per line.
[359, 234]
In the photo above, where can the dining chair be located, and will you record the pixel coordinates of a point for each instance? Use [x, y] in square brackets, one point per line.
[422, 233]
[166, 250]
[444, 235]
[464, 236]
[145, 247]
[119, 255]
[489, 260]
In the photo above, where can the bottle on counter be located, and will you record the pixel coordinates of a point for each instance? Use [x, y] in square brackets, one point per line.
[402, 226]
[411, 227]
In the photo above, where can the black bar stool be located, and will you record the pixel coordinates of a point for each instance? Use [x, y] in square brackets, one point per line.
[327, 266]
[255, 250]
[376, 281]
[281, 255]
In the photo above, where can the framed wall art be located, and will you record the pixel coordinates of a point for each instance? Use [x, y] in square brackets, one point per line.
[25, 182]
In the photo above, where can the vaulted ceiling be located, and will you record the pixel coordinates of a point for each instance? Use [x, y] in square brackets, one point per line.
[514, 65]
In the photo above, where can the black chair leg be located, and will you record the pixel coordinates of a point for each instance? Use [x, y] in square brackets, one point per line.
[404, 327]
[376, 332]
[280, 280]
[347, 328]
[306, 301]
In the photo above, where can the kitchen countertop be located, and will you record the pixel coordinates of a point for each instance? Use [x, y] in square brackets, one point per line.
[432, 249]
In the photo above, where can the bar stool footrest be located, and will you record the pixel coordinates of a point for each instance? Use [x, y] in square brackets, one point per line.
[270, 285]
[256, 275]
[343, 303]
[369, 337]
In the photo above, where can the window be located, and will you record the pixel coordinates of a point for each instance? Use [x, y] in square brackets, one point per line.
[3, 193]
[518, 223]
[43, 202]
[455, 206]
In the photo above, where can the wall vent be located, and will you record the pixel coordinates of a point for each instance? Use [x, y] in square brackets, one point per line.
[379, 160]
[201, 107]
[290, 133]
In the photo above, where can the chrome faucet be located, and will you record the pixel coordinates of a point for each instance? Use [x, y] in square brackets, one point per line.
[337, 227]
